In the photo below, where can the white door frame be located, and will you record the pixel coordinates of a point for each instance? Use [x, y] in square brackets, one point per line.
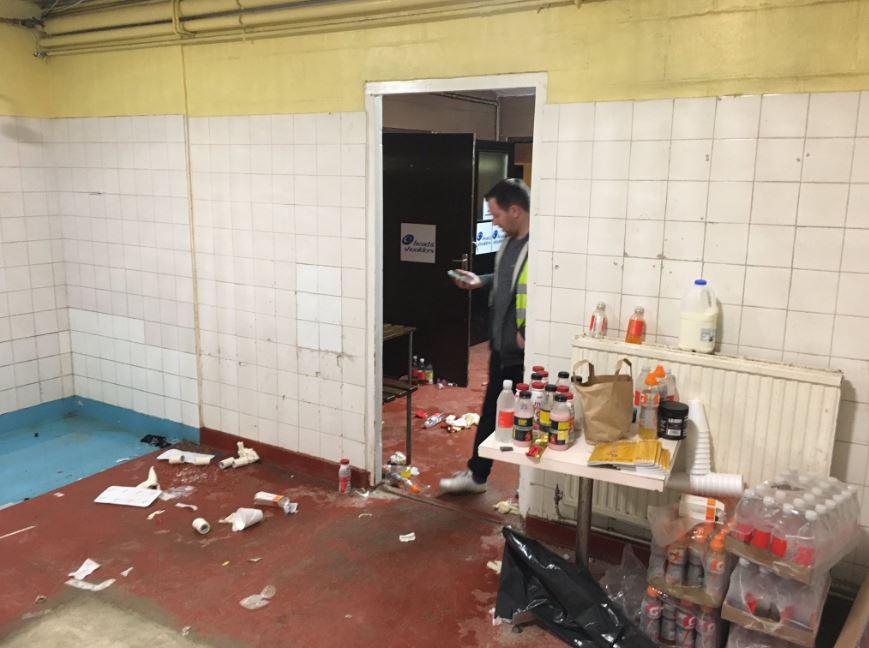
[374, 93]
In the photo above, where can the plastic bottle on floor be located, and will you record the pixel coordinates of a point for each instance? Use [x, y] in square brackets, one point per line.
[636, 333]
[504, 418]
[344, 474]
[597, 326]
[698, 319]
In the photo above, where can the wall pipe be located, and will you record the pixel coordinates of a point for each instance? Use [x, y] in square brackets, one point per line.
[232, 27]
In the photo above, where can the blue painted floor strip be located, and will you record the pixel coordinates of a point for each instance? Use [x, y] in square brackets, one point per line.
[43, 456]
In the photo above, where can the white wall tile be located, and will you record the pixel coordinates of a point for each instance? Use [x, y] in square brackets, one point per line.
[766, 287]
[686, 200]
[779, 160]
[784, 115]
[813, 291]
[649, 160]
[822, 204]
[647, 199]
[606, 236]
[854, 254]
[775, 203]
[771, 245]
[684, 240]
[818, 248]
[644, 238]
[726, 243]
[612, 120]
[694, 118]
[737, 117]
[574, 122]
[690, 159]
[652, 120]
[762, 327]
[729, 202]
[573, 160]
[860, 165]
[609, 199]
[828, 160]
[611, 160]
[853, 290]
[733, 159]
[832, 114]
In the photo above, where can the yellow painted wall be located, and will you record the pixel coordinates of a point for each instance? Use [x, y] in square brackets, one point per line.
[612, 49]
[23, 79]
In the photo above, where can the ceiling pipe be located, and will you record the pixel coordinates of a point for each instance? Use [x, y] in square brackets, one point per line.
[260, 21]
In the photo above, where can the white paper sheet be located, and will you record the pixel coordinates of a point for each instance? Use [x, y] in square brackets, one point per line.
[128, 496]
[91, 587]
[87, 568]
[189, 457]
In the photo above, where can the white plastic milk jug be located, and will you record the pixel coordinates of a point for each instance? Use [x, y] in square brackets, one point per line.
[699, 319]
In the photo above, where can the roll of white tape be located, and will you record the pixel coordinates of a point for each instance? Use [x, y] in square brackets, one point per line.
[201, 525]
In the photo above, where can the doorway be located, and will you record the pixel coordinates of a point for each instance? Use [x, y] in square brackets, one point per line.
[435, 148]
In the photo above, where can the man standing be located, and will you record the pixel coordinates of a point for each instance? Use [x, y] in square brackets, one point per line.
[509, 202]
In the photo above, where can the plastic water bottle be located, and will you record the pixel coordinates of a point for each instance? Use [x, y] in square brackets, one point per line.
[650, 614]
[504, 419]
[762, 534]
[598, 324]
[785, 529]
[698, 319]
[740, 585]
[344, 474]
[764, 595]
[746, 513]
[636, 333]
[650, 399]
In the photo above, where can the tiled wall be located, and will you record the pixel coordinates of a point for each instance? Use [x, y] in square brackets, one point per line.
[279, 241]
[35, 363]
[767, 197]
[120, 187]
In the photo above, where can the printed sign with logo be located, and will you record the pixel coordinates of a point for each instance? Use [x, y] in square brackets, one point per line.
[418, 243]
[483, 239]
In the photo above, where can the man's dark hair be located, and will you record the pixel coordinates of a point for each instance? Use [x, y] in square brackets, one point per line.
[509, 192]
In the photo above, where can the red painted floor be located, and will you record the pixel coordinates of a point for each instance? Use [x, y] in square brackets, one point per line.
[341, 579]
[438, 453]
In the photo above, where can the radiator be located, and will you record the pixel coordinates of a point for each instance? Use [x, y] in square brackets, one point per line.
[763, 417]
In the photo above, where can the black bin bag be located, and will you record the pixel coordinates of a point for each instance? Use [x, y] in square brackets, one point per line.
[562, 596]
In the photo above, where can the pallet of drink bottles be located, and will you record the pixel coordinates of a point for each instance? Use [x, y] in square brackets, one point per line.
[787, 533]
[688, 574]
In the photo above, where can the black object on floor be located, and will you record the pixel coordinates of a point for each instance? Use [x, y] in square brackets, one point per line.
[563, 597]
[155, 440]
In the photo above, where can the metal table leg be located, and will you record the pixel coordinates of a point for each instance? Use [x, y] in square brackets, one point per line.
[408, 430]
[583, 520]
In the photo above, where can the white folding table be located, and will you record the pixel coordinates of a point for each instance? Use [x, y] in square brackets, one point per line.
[574, 461]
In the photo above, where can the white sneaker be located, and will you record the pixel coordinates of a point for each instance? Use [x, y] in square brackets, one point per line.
[462, 482]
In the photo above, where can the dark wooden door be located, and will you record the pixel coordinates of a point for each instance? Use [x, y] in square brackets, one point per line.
[428, 198]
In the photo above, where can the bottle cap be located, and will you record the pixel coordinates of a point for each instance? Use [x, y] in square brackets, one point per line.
[639, 310]
[652, 592]
[821, 509]
[524, 394]
[799, 503]
[563, 389]
[508, 384]
[560, 398]
[659, 371]
[768, 501]
[780, 496]
[569, 395]
[536, 376]
[563, 374]
[601, 305]
[550, 387]
[811, 516]
[537, 368]
[651, 380]
[787, 508]
[345, 462]
[521, 387]
[699, 282]
[748, 493]
[537, 384]
[544, 374]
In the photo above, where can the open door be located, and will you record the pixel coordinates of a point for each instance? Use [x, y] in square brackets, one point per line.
[428, 226]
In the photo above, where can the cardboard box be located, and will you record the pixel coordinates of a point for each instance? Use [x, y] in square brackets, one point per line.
[696, 595]
[779, 567]
[772, 628]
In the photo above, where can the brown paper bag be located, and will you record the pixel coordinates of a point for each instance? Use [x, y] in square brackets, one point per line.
[607, 402]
